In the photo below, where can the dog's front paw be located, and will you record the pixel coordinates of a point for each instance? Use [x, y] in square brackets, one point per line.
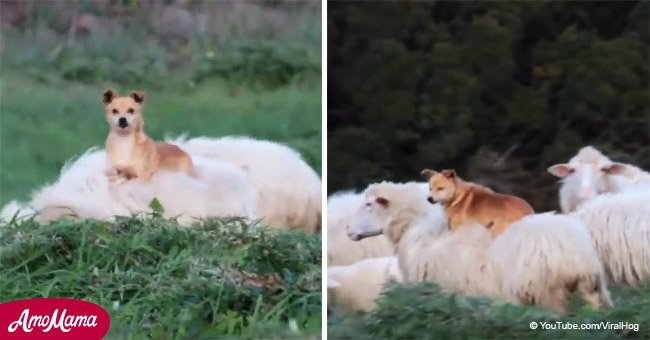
[111, 172]
[127, 173]
[114, 177]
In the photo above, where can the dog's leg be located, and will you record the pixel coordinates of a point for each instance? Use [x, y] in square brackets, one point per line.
[127, 172]
[119, 175]
[114, 177]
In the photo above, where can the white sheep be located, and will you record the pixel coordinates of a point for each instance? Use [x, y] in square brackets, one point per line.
[355, 287]
[341, 250]
[288, 190]
[541, 259]
[404, 206]
[552, 257]
[620, 228]
[83, 190]
[590, 173]
[632, 178]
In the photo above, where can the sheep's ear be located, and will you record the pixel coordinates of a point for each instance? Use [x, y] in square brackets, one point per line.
[449, 173]
[615, 169]
[427, 173]
[331, 283]
[382, 201]
[108, 96]
[560, 170]
[137, 96]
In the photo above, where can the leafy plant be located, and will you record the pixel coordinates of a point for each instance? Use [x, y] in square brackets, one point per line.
[158, 279]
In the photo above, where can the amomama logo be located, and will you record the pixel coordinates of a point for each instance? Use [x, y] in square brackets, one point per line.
[53, 318]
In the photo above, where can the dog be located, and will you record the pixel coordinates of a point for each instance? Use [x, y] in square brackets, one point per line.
[131, 153]
[466, 202]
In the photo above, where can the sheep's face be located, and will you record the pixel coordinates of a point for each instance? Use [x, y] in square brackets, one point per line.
[371, 219]
[587, 180]
[442, 185]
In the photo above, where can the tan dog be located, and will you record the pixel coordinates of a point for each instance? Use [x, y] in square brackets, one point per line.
[131, 153]
[466, 202]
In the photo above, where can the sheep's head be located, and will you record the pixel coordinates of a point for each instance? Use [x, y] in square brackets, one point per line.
[587, 174]
[372, 217]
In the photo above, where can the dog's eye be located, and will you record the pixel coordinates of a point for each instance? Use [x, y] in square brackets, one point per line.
[114, 111]
[130, 110]
[440, 188]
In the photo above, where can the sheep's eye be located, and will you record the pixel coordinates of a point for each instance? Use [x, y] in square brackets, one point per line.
[130, 110]
[114, 111]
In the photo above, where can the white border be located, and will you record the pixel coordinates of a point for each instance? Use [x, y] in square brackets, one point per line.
[324, 168]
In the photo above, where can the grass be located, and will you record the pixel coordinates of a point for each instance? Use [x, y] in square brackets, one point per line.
[159, 280]
[420, 311]
[47, 122]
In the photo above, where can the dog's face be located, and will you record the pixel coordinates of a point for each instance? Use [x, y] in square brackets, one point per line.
[123, 114]
[442, 185]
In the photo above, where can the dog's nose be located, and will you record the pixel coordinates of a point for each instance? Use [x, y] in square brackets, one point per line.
[122, 122]
[430, 200]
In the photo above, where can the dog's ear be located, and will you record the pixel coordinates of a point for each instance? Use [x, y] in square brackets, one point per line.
[137, 96]
[449, 173]
[382, 201]
[108, 96]
[427, 173]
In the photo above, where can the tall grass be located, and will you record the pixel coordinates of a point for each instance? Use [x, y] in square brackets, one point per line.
[423, 311]
[156, 279]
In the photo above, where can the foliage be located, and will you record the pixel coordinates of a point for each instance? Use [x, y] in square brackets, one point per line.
[260, 65]
[497, 90]
[161, 280]
[129, 45]
[420, 311]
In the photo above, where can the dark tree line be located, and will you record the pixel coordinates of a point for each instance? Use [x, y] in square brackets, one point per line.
[497, 90]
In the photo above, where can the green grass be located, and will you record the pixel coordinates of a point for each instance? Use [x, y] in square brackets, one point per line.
[423, 311]
[45, 122]
[159, 280]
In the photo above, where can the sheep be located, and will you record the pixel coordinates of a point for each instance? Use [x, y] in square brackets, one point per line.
[590, 173]
[354, 288]
[288, 190]
[404, 206]
[83, 190]
[632, 178]
[541, 259]
[553, 257]
[342, 251]
[619, 224]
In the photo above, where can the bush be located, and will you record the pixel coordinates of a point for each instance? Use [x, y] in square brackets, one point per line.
[157, 279]
[422, 311]
[261, 65]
